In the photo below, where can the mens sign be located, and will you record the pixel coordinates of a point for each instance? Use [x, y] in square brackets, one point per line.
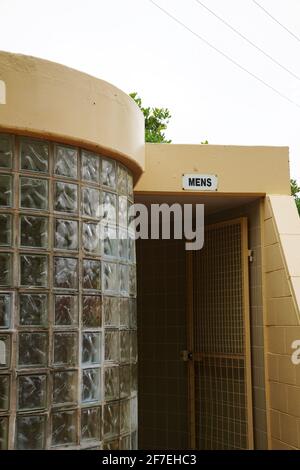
[197, 182]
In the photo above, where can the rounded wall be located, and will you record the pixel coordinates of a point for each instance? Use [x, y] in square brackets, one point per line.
[43, 98]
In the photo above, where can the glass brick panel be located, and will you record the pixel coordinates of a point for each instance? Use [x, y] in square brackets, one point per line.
[130, 185]
[5, 231]
[108, 173]
[132, 280]
[111, 383]
[90, 385]
[32, 392]
[65, 348]
[91, 348]
[5, 269]
[111, 445]
[30, 432]
[122, 180]
[125, 442]
[66, 234]
[90, 423]
[33, 309]
[66, 197]
[134, 440]
[5, 191]
[91, 274]
[134, 377]
[33, 349]
[124, 416]
[125, 337]
[91, 238]
[5, 151]
[123, 279]
[91, 311]
[90, 167]
[110, 281]
[111, 420]
[132, 314]
[4, 392]
[109, 208]
[34, 231]
[4, 350]
[133, 351]
[65, 161]
[131, 248]
[124, 312]
[124, 381]
[34, 270]
[64, 387]
[123, 243]
[3, 433]
[5, 310]
[66, 310]
[64, 427]
[34, 155]
[66, 273]
[110, 240]
[90, 205]
[123, 218]
[134, 413]
[111, 345]
[34, 193]
[111, 310]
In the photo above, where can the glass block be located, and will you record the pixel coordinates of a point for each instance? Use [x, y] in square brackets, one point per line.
[32, 392]
[91, 238]
[125, 442]
[34, 231]
[66, 273]
[124, 312]
[122, 180]
[33, 349]
[132, 314]
[64, 427]
[65, 348]
[34, 155]
[134, 413]
[111, 311]
[123, 279]
[130, 185]
[5, 310]
[64, 387]
[134, 440]
[6, 151]
[5, 232]
[123, 216]
[111, 383]
[131, 248]
[5, 269]
[125, 337]
[111, 445]
[5, 191]
[30, 432]
[132, 280]
[134, 378]
[34, 270]
[134, 349]
[66, 234]
[91, 311]
[66, 310]
[110, 240]
[111, 420]
[66, 197]
[90, 202]
[4, 350]
[108, 177]
[110, 280]
[34, 193]
[131, 217]
[91, 348]
[109, 208]
[123, 243]
[3, 432]
[124, 416]
[124, 381]
[111, 345]
[34, 309]
[90, 385]
[65, 161]
[91, 274]
[90, 167]
[4, 392]
[90, 423]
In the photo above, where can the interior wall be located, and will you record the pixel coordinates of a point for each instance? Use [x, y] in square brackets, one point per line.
[161, 336]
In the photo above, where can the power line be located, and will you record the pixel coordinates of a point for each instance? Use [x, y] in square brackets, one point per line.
[276, 21]
[224, 55]
[248, 40]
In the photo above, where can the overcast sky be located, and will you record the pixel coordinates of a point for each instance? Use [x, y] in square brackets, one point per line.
[135, 46]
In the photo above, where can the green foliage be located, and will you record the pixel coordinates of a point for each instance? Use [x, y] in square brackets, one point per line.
[156, 121]
[205, 142]
[295, 190]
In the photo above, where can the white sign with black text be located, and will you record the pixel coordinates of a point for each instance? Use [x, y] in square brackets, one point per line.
[198, 182]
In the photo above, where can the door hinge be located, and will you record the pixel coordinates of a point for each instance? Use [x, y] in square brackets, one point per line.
[186, 355]
[250, 256]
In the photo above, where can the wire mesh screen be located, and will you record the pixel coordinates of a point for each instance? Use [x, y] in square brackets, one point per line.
[219, 340]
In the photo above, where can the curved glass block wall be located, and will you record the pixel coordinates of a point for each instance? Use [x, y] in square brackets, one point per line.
[68, 347]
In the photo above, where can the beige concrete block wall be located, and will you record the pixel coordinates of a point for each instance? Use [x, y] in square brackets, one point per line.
[282, 282]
